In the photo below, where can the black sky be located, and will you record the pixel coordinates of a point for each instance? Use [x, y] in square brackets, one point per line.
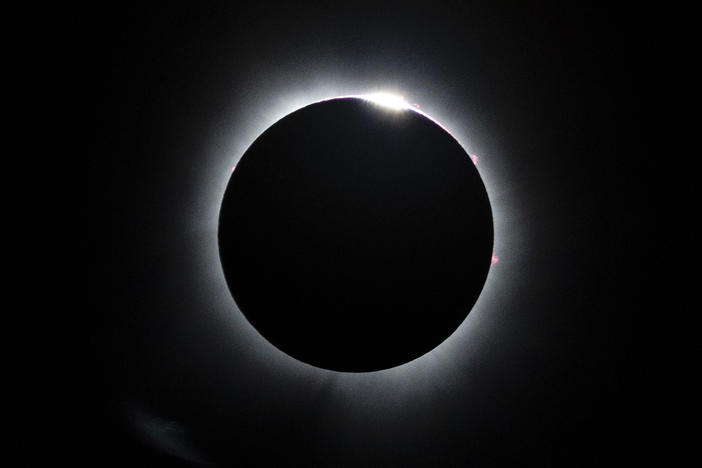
[580, 360]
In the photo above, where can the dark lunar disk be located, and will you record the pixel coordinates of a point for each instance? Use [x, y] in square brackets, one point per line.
[355, 237]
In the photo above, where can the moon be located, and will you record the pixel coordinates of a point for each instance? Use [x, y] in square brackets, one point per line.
[355, 234]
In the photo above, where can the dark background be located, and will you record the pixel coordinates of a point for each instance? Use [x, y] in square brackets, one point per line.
[586, 361]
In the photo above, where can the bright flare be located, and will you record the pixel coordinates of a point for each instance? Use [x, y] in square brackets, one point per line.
[390, 101]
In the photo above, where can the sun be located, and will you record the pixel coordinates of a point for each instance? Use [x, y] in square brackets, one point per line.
[226, 154]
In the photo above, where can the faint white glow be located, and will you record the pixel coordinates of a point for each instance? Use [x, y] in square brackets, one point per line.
[276, 103]
[390, 101]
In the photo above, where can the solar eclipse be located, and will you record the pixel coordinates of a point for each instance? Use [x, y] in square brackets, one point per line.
[355, 234]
